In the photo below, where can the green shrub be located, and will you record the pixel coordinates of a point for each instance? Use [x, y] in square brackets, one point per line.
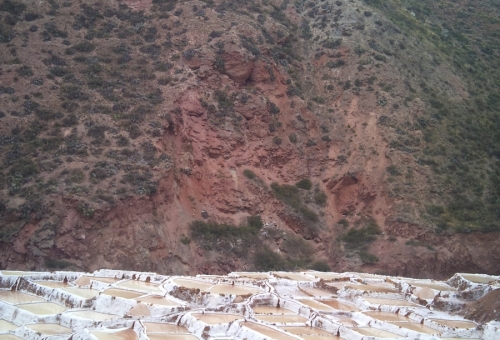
[367, 257]
[321, 266]
[86, 210]
[249, 174]
[212, 229]
[320, 198]
[224, 237]
[356, 238]
[57, 264]
[305, 184]
[299, 251]
[435, 210]
[416, 243]
[289, 194]
[343, 222]
[255, 221]
[185, 240]
[393, 170]
[267, 260]
[12, 7]
[25, 71]
[309, 214]
[332, 43]
[84, 47]
[292, 138]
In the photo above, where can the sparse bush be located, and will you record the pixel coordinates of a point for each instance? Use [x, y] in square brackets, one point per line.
[273, 108]
[309, 214]
[255, 221]
[320, 198]
[335, 64]
[57, 264]
[321, 266]
[435, 210]
[86, 210]
[288, 194]
[356, 238]
[267, 260]
[249, 174]
[393, 170]
[305, 184]
[367, 258]
[332, 43]
[185, 240]
[84, 47]
[25, 71]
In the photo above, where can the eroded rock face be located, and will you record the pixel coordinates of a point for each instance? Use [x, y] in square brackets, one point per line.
[189, 102]
[237, 66]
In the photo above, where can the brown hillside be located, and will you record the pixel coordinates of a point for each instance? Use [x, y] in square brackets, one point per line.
[123, 122]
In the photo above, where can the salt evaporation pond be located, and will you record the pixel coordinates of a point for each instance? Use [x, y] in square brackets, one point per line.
[6, 326]
[292, 276]
[391, 302]
[267, 331]
[9, 337]
[344, 320]
[380, 288]
[49, 329]
[417, 327]
[456, 323]
[85, 293]
[327, 276]
[16, 297]
[192, 284]
[187, 308]
[91, 315]
[435, 286]
[16, 273]
[42, 308]
[127, 294]
[127, 334]
[233, 289]
[52, 284]
[280, 318]
[378, 333]
[340, 306]
[317, 305]
[214, 318]
[142, 286]
[171, 337]
[86, 280]
[154, 327]
[158, 300]
[477, 278]
[301, 330]
[271, 310]
[386, 316]
[317, 292]
[257, 276]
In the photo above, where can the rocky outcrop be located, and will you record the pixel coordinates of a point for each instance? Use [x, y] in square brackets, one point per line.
[238, 66]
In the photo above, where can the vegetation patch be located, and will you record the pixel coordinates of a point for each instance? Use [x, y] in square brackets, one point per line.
[358, 238]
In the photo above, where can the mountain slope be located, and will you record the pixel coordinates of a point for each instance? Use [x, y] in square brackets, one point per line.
[124, 123]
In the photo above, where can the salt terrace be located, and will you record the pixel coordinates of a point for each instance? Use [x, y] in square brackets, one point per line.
[110, 304]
